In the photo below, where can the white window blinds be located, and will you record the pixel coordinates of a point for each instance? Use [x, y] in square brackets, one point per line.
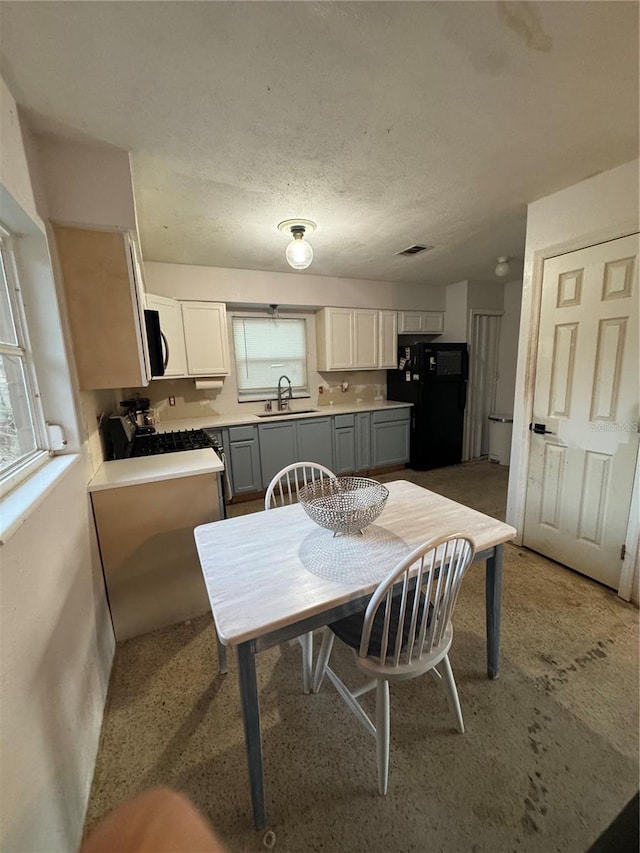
[267, 348]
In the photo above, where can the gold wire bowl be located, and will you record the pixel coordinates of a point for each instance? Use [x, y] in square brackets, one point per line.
[344, 504]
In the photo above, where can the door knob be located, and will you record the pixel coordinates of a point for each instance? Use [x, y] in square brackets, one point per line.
[540, 429]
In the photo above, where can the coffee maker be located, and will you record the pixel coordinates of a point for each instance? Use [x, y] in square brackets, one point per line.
[138, 409]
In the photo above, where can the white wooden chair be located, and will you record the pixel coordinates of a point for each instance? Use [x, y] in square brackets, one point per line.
[286, 484]
[404, 632]
[283, 489]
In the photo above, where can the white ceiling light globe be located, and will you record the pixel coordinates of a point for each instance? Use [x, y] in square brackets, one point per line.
[502, 267]
[299, 253]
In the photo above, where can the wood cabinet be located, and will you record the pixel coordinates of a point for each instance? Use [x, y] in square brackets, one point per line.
[148, 553]
[390, 437]
[356, 339]
[196, 335]
[173, 334]
[423, 322]
[243, 458]
[205, 338]
[103, 296]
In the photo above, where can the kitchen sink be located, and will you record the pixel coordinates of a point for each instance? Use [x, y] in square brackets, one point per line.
[286, 412]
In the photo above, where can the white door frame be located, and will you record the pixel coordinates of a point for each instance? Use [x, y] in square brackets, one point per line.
[523, 404]
[468, 420]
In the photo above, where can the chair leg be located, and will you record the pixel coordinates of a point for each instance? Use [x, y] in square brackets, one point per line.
[449, 685]
[306, 641]
[382, 734]
[323, 658]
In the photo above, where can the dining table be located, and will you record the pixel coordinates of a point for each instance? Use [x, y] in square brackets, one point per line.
[275, 575]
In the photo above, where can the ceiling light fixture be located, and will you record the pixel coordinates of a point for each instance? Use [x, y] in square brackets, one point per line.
[502, 267]
[299, 253]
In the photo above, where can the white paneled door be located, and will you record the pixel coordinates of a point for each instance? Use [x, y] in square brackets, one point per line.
[584, 438]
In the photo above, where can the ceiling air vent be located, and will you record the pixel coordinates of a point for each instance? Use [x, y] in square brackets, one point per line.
[414, 250]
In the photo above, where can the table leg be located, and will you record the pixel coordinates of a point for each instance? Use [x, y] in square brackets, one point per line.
[493, 595]
[251, 720]
[222, 657]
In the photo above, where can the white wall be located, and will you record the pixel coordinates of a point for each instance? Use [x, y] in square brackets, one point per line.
[508, 352]
[56, 641]
[257, 287]
[601, 208]
[456, 310]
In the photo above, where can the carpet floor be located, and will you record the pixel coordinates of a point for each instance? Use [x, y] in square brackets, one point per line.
[548, 759]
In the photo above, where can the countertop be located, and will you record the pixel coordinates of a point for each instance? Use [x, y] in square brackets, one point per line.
[150, 469]
[220, 421]
[168, 466]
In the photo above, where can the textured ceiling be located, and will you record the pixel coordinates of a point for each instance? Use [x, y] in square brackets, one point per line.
[387, 124]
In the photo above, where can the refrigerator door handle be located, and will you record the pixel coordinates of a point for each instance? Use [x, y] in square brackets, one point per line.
[463, 395]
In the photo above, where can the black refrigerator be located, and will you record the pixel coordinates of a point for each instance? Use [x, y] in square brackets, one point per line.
[433, 377]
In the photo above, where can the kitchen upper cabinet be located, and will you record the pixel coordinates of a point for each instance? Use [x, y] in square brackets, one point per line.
[365, 339]
[356, 339]
[387, 339]
[424, 322]
[205, 337]
[170, 312]
[335, 339]
[103, 296]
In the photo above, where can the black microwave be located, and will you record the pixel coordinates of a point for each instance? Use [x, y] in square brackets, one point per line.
[156, 343]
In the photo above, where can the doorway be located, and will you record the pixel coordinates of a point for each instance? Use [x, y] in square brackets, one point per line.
[484, 343]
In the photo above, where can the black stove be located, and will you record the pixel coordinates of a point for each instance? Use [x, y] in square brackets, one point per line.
[123, 439]
[170, 442]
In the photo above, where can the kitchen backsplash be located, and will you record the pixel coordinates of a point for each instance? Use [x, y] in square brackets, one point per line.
[363, 385]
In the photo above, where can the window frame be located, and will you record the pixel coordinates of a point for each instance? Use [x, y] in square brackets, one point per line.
[263, 394]
[30, 462]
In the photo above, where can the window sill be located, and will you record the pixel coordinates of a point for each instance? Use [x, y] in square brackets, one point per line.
[19, 504]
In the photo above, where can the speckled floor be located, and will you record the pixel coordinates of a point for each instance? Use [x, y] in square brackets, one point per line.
[549, 757]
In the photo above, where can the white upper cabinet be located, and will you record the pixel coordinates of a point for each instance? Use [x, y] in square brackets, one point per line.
[387, 339]
[365, 339]
[172, 334]
[196, 336]
[205, 337]
[355, 339]
[424, 322]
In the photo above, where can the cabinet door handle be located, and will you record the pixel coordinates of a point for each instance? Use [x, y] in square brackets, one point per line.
[166, 349]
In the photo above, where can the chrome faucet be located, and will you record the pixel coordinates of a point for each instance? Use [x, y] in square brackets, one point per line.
[283, 402]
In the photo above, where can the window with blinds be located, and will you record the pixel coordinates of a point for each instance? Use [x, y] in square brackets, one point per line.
[265, 349]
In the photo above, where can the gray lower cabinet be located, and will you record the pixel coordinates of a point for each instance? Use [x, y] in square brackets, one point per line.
[244, 459]
[277, 448]
[390, 437]
[286, 442]
[314, 441]
[344, 444]
[363, 441]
